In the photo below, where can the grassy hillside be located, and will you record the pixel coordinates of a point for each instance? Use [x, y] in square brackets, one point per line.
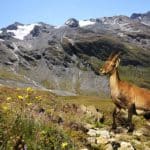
[40, 120]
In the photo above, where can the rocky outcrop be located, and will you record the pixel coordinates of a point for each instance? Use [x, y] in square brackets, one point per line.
[98, 134]
[72, 22]
[105, 139]
[143, 18]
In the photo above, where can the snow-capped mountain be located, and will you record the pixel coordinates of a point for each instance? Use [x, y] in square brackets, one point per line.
[22, 30]
[67, 56]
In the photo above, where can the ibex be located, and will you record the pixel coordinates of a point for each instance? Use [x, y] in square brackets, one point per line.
[125, 95]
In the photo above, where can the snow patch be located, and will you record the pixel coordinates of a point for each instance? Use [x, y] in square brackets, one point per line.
[1, 31]
[139, 17]
[57, 27]
[22, 31]
[83, 23]
[1, 40]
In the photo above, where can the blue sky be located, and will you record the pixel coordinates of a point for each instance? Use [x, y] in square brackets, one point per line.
[56, 12]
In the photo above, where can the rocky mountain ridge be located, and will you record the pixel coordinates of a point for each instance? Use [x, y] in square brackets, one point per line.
[68, 57]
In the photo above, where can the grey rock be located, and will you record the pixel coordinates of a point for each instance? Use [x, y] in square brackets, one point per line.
[101, 140]
[143, 18]
[103, 133]
[65, 60]
[126, 146]
[72, 22]
[91, 140]
[14, 26]
[92, 132]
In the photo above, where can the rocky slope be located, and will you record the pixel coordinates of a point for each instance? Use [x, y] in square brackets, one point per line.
[67, 58]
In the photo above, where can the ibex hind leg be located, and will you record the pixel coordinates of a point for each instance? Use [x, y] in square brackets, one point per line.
[147, 115]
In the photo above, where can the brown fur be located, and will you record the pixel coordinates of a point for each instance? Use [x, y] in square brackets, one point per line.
[125, 94]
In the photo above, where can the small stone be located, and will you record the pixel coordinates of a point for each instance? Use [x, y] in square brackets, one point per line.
[126, 146]
[101, 140]
[103, 133]
[91, 140]
[91, 132]
[108, 147]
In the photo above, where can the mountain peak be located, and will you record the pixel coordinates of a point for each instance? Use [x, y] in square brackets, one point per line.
[20, 30]
[143, 18]
[72, 22]
[14, 26]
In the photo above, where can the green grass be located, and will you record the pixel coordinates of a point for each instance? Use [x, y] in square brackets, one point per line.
[136, 75]
[10, 75]
[37, 130]
[104, 105]
[21, 121]
[30, 117]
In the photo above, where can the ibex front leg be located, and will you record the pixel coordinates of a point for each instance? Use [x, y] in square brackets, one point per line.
[131, 111]
[114, 125]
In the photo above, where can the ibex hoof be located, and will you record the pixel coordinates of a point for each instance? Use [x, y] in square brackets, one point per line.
[131, 128]
[114, 126]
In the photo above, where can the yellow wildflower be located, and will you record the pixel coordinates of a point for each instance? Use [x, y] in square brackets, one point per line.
[29, 104]
[20, 97]
[38, 97]
[64, 145]
[29, 89]
[5, 107]
[8, 98]
[26, 96]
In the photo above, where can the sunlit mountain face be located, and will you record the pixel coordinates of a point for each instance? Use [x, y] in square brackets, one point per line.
[66, 58]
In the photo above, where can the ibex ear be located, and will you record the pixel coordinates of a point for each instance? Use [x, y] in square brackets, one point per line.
[117, 62]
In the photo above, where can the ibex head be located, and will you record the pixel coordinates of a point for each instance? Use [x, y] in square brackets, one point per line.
[111, 63]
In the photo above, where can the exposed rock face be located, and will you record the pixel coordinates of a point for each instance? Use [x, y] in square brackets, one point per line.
[68, 57]
[14, 26]
[72, 22]
[143, 18]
